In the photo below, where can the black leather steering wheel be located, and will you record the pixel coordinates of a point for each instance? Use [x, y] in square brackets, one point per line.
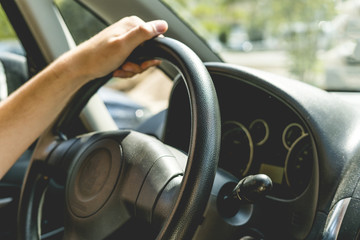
[112, 177]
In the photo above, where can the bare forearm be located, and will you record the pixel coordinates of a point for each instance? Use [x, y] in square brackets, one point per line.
[31, 109]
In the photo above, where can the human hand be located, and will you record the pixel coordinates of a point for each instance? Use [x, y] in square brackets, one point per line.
[129, 69]
[107, 51]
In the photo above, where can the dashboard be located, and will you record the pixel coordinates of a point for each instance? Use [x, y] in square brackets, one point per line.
[260, 135]
[264, 136]
[305, 139]
[265, 130]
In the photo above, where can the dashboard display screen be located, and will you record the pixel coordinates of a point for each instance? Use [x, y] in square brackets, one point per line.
[274, 172]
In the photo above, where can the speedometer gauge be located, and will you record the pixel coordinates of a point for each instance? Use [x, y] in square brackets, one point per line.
[259, 130]
[237, 148]
[291, 133]
[299, 164]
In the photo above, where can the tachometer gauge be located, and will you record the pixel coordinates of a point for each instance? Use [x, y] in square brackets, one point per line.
[299, 164]
[259, 130]
[291, 133]
[236, 148]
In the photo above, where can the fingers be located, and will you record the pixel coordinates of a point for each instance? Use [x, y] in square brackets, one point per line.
[123, 74]
[130, 69]
[136, 35]
[150, 63]
[108, 50]
[143, 32]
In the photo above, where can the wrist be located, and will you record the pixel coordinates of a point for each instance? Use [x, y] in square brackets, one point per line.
[70, 67]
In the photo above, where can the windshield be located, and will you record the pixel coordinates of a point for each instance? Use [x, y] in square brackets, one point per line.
[316, 41]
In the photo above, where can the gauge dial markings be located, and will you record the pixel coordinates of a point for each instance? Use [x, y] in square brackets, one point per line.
[291, 134]
[237, 146]
[259, 130]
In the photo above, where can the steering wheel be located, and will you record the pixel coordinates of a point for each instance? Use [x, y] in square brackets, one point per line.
[112, 177]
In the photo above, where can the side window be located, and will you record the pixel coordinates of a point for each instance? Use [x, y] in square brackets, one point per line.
[130, 101]
[13, 66]
[81, 23]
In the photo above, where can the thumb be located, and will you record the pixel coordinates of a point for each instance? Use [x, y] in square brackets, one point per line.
[159, 26]
[145, 31]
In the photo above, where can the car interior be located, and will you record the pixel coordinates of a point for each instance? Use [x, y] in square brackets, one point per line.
[236, 152]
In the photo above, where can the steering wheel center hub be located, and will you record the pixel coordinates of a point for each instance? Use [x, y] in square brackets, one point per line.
[93, 174]
[93, 177]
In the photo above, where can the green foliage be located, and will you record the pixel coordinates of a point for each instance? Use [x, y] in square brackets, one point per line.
[6, 30]
[293, 22]
[297, 22]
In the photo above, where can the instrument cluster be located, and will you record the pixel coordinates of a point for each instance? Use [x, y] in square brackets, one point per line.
[281, 150]
[261, 134]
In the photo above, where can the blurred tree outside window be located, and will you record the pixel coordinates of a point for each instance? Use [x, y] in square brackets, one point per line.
[287, 37]
[8, 39]
[6, 32]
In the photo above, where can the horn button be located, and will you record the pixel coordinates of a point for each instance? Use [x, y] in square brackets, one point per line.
[93, 177]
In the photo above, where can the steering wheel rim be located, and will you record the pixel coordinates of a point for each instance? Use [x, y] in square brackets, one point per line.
[202, 155]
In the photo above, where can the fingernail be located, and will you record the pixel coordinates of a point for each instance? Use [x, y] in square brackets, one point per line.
[160, 26]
